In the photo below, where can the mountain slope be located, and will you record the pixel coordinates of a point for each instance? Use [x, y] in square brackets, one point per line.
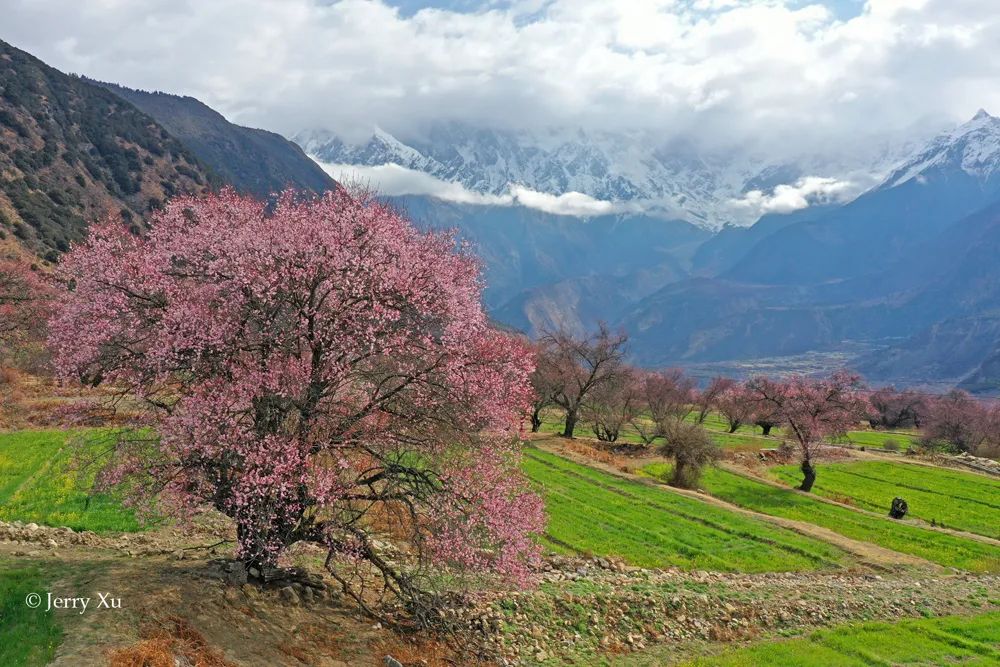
[906, 267]
[72, 152]
[526, 252]
[254, 161]
[957, 174]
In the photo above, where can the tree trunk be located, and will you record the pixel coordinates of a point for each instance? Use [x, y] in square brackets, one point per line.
[766, 429]
[255, 553]
[570, 424]
[536, 421]
[808, 476]
[733, 426]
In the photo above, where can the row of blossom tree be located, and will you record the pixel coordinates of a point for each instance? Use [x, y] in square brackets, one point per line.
[588, 378]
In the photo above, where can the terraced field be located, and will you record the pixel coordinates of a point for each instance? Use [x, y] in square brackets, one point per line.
[881, 438]
[593, 512]
[935, 546]
[969, 641]
[38, 484]
[955, 499]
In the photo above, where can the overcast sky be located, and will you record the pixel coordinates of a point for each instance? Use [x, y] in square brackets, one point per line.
[770, 71]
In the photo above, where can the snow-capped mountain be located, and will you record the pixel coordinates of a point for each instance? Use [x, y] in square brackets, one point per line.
[672, 179]
[973, 147]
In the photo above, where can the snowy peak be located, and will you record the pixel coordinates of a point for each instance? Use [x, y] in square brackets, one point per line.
[628, 170]
[972, 148]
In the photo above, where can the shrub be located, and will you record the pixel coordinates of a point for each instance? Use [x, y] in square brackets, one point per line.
[692, 449]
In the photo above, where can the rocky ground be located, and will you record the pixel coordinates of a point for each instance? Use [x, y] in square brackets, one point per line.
[586, 607]
[175, 585]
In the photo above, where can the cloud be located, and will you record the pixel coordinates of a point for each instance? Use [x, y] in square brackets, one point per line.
[777, 75]
[804, 193]
[393, 180]
[568, 203]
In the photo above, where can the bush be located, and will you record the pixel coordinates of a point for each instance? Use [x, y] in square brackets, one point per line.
[692, 450]
[891, 445]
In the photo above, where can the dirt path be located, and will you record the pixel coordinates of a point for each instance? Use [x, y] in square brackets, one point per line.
[868, 554]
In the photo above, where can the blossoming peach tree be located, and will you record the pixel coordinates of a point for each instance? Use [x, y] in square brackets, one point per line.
[318, 370]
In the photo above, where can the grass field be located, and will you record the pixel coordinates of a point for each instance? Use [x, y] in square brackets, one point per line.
[746, 437]
[38, 484]
[593, 512]
[956, 499]
[935, 546]
[880, 438]
[971, 642]
[28, 637]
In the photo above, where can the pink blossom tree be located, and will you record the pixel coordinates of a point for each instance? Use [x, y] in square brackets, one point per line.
[812, 410]
[962, 422]
[576, 365]
[665, 397]
[736, 404]
[705, 399]
[893, 408]
[24, 300]
[315, 370]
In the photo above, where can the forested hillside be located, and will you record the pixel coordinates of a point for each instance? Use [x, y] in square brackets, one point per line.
[254, 161]
[72, 152]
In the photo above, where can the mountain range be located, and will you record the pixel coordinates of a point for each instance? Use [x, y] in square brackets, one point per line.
[630, 171]
[900, 281]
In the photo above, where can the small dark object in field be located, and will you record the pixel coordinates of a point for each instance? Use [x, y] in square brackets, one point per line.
[899, 508]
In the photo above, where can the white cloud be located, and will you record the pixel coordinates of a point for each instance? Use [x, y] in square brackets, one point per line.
[781, 75]
[393, 180]
[803, 193]
[568, 203]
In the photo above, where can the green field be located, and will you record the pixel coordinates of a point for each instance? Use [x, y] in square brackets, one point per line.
[960, 500]
[952, 640]
[880, 438]
[38, 483]
[746, 437]
[593, 512]
[935, 546]
[28, 637]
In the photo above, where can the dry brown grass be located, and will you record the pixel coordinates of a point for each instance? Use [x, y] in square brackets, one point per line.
[163, 641]
[422, 652]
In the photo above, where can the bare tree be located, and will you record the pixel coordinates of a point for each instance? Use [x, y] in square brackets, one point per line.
[544, 382]
[611, 405]
[582, 364]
